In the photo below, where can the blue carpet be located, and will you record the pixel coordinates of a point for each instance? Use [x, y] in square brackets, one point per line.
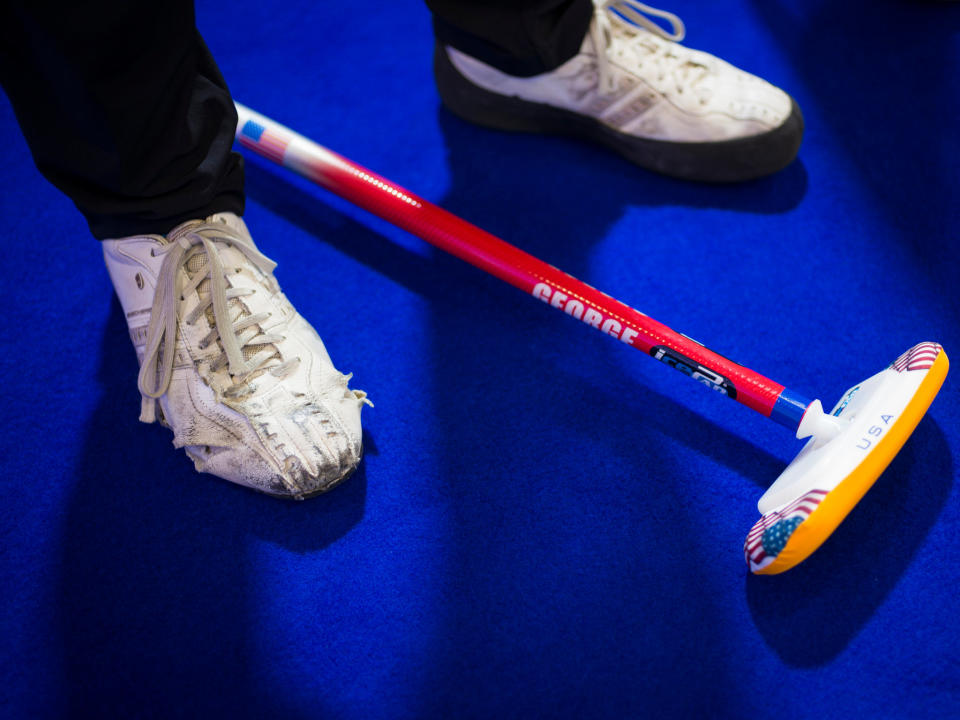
[546, 524]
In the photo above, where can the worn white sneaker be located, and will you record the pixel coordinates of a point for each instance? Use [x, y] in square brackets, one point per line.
[228, 364]
[667, 108]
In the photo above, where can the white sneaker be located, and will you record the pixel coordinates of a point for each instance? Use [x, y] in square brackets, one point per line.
[667, 108]
[241, 378]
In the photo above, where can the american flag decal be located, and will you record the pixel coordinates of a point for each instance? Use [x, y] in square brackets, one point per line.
[919, 357]
[261, 140]
[770, 533]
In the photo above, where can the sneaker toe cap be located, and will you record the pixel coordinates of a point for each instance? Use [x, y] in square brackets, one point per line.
[280, 445]
[296, 469]
[315, 447]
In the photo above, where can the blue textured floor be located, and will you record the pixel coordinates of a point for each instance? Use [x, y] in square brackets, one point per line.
[546, 524]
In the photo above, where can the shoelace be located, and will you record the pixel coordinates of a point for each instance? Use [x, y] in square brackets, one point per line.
[234, 333]
[627, 15]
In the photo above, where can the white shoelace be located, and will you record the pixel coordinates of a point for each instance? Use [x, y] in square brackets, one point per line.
[625, 15]
[234, 333]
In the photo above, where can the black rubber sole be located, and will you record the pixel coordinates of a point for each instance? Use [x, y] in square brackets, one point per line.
[721, 162]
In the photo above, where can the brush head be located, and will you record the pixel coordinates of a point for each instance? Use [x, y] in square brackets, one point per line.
[847, 451]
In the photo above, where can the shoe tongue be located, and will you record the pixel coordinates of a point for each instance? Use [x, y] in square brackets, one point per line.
[636, 39]
[197, 263]
[587, 46]
[233, 223]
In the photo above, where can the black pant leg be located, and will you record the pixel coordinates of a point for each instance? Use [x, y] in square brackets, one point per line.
[524, 38]
[124, 110]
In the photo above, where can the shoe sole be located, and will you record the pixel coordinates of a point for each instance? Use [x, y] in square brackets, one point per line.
[724, 161]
